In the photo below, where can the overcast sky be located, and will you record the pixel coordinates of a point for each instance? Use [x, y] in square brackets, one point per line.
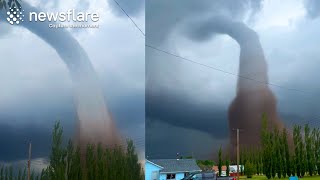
[186, 104]
[36, 89]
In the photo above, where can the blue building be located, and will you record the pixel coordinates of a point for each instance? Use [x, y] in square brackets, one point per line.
[169, 169]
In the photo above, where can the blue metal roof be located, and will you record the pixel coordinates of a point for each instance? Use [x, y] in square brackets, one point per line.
[177, 165]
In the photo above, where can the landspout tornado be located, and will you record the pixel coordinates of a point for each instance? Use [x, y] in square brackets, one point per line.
[253, 96]
[95, 124]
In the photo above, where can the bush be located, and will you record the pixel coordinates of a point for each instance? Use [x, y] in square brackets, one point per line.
[205, 165]
[249, 168]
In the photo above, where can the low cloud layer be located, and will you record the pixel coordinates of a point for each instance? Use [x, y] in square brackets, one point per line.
[16, 140]
[160, 25]
[183, 112]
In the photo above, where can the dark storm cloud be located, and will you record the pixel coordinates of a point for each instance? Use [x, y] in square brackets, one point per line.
[159, 24]
[14, 142]
[132, 7]
[179, 111]
[165, 141]
[313, 8]
[186, 127]
[132, 105]
[40, 117]
[169, 106]
[172, 113]
[37, 128]
[35, 95]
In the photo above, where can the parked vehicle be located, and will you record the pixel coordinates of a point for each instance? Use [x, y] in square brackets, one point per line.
[223, 174]
[226, 178]
[211, 175]
[201, 176]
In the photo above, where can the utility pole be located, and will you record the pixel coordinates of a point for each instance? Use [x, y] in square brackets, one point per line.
[238, 152]
[29, 161]
[238, 159]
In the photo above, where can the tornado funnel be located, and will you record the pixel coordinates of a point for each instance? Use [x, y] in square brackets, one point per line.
[95, 124]
[253, 96]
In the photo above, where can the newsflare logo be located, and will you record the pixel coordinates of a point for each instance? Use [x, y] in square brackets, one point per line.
[67, 19]
[15, 16]
[14, 11]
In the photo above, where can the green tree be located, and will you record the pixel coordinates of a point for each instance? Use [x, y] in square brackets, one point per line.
[266, 140]
[69, 162]
[309, 150]
[254, 154]
[1, 173]
[19, 174]
[293, 165]
[57, 168]
[302, 154]
[296, 140]
[313, 142]
[270, 150]
[277, 153]
[286, 152]
[249, 169]
[6, 174]
[205, 165]
[228, 166]
[273, 155]
[24, 176]
[90, 162]
[245, 158]
[259, 162]
[101, 163]
[133, 165]
[77, 165]
[317, 149]
[220, 161]
[10, 173]
[32, 175]
[44, 175]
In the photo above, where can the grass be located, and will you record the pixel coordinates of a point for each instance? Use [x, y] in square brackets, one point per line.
[265, 178]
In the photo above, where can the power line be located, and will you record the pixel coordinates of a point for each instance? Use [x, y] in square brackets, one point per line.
[210, 67]
[129, 17]
[226, 72]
